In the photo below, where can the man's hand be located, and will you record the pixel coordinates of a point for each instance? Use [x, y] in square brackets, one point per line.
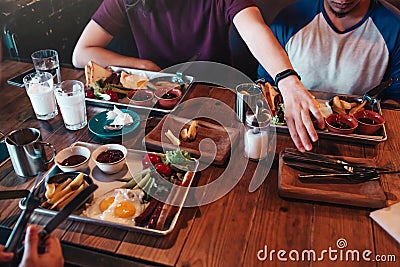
[5, 256]
[299, 103]
[52, 257]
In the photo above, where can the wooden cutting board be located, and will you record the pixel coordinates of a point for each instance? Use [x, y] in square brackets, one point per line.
[217, 150]
[369, 194]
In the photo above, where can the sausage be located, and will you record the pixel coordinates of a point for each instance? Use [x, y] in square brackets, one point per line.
[169, 211]
[154, 217]
[145, 215]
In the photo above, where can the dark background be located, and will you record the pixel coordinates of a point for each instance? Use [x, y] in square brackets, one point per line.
[30, 25]
[39, 24]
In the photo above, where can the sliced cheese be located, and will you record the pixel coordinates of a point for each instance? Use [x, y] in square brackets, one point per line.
[133, 81]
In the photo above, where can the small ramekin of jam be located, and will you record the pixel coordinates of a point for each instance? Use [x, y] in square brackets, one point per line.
[74, 158]
[368, 121]
[168, 97]
[141, 97]
[110, 158]
[341, 123]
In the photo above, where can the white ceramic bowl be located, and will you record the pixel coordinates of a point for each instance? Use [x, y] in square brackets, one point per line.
[74, 163]
[112, 167]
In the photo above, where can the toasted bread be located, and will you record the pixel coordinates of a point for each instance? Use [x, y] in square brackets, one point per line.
[95, 72]
[189, 134]
[269, 93]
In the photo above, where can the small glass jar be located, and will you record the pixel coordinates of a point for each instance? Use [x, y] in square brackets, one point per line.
[256, 135]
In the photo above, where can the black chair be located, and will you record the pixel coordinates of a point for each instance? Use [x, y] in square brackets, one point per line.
[10, 48]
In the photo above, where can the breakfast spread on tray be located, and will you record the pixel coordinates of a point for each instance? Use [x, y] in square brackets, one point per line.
[128, 88]
[275, 102]
[133, 204]
[103, 82]
[346, 106]
[144, 198]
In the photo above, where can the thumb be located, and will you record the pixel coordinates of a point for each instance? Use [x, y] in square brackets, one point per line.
[31, 241]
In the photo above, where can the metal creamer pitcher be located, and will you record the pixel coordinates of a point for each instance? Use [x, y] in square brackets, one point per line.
[28, 157]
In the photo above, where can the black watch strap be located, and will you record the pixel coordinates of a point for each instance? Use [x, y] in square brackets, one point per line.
[286, 73]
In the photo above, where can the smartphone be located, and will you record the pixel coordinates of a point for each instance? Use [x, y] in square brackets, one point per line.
[18, 79]
[4, 156]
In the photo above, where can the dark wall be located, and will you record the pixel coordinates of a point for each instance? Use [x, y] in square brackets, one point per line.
[41, 24]
[57, 24]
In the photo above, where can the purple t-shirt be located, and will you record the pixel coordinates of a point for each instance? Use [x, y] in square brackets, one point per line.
[175, 31]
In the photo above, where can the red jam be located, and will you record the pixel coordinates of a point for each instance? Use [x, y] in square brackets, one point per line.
[73, 160]
[110, 156]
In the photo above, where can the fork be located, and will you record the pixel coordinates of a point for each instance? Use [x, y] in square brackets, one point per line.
[355, 178]
[340, 165]
[33, 200]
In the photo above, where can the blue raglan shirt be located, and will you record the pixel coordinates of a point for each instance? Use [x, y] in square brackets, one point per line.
[348, 62]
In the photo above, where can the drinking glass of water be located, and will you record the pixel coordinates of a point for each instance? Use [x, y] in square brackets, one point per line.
[47, 61]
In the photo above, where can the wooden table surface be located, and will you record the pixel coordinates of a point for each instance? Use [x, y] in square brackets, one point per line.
[230, 231]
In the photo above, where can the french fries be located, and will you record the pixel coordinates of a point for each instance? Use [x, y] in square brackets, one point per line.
[58, 195]
[344, 107]
[357, 108]
[190, 133]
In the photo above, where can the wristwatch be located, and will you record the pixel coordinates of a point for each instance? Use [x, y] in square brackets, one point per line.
[286, 73]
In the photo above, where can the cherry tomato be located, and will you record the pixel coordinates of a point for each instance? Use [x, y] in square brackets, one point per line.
[131, 93]
[163, 169]
[90, 94]
[113, 95]
[149, 159]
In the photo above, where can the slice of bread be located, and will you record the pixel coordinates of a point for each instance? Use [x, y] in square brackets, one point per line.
[269, 93]
[95, 72]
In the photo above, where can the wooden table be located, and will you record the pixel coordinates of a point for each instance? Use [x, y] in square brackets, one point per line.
[228, 232]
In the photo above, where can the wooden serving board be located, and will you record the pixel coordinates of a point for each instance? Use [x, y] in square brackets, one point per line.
[369, 194]
[223, 138]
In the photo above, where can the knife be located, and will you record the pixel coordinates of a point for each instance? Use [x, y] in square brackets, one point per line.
[338, 178]
[301, 166]
[319, 159]
[77, 201]
[374, 92]
[32, 202]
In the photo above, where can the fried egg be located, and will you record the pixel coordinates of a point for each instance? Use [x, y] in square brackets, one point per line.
[119, 206]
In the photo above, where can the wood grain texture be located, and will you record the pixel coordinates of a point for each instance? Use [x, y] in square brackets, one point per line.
[369, 194]
[278, 224]
[233, 229]
[213, 142]
[223, 227]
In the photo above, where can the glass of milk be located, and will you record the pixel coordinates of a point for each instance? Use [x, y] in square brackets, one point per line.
[40, 89]
[70, 96]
